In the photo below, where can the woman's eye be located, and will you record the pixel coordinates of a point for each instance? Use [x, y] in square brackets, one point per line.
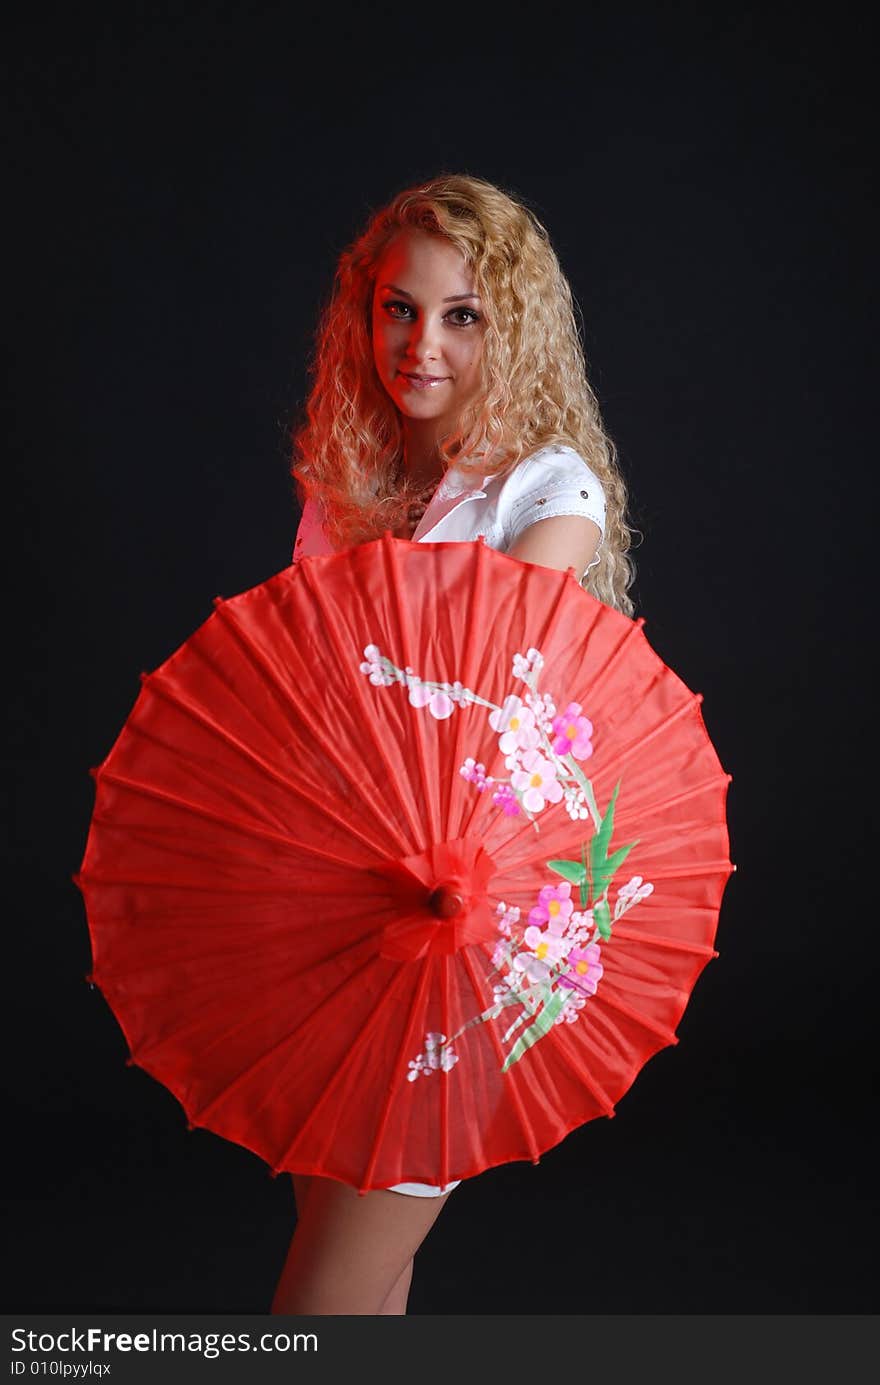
[466, 316]
[459, 317]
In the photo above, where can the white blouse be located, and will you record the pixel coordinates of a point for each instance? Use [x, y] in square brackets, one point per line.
[555, 480]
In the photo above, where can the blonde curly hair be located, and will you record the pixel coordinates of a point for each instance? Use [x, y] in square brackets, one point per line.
[348, 450]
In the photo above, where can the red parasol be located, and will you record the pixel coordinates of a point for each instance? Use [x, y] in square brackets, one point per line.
[405, 863]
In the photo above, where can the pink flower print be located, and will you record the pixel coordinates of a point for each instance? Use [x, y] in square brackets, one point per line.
[524, 665]
[554, 908]
[536, 781]
[547, 947]
[543, 706]
[373, 666]
[634, 890]
[475, 774]
[508, 915]
[516, 722]
[439, 704]
[499, 954]
[522, 734]
[584, 969]
[506, 799]
[580, 926]
[569, 1012]
[572, 733]
[438, 1054]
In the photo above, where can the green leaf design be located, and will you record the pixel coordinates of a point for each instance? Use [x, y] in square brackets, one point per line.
[602, 919]
[545, 991]
[541, 1026]
[569, 870]
[520, 1019]
[605, 874]
[508, 998]
[600, 843]
[603, 866]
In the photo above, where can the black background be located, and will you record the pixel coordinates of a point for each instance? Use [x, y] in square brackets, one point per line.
[179, 187]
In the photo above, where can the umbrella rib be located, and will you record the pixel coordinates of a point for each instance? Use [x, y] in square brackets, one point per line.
[383, 1001]
[649, 809]
[549, 627]
[160, 963]
[406, 1045]
[526, 833]
[247, 753]
[468, 678]
[159, 840]
[301, 789]
[210, 815]
[638, 935]
[601, 1097]
[656, 839]
[446, 1028]
[356, 976]
[516, 1099]
[100, 877]
[273, 686]
[624, 752]
[393, 777]
[391, 556]
[563, 588]
[657, 873]
[724, 868]
[288, 699]
[252, 651]
[661, 1030]
[535, 843]
[615, 657]
[539, 1058]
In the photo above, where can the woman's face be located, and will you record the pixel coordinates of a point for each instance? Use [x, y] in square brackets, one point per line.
[427, 328]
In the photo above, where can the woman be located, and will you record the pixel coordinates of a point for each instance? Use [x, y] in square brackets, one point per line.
[450, 400]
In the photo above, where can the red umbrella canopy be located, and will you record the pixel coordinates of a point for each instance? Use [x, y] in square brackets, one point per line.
[405, 863]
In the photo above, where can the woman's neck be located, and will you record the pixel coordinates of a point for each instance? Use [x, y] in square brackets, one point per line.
[421, 463]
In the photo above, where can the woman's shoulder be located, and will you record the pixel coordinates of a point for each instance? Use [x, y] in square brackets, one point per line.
[555, 469]
[556, 461]
[552, 480]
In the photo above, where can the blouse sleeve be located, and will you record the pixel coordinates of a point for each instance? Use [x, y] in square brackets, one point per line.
[558, 483]
[310, 536]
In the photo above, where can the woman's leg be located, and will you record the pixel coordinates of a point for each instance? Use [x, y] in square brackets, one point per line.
[396, 1300]
[351, 1254]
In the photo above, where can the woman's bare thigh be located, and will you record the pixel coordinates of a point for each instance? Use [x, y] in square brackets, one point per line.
[301, 1184]
[349, 1251]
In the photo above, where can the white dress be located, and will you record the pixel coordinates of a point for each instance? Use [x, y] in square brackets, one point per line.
[552, 481]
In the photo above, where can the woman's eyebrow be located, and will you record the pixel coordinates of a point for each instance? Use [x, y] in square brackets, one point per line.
[453, 298]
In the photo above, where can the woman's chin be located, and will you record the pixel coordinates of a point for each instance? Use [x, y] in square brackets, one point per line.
[418, 406]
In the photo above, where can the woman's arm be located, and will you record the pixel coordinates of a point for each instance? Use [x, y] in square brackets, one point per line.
[560, 541]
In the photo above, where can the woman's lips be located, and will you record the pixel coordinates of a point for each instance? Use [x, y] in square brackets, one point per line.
[423, 382]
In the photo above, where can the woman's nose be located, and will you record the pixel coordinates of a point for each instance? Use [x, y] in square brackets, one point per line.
[424, 339]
